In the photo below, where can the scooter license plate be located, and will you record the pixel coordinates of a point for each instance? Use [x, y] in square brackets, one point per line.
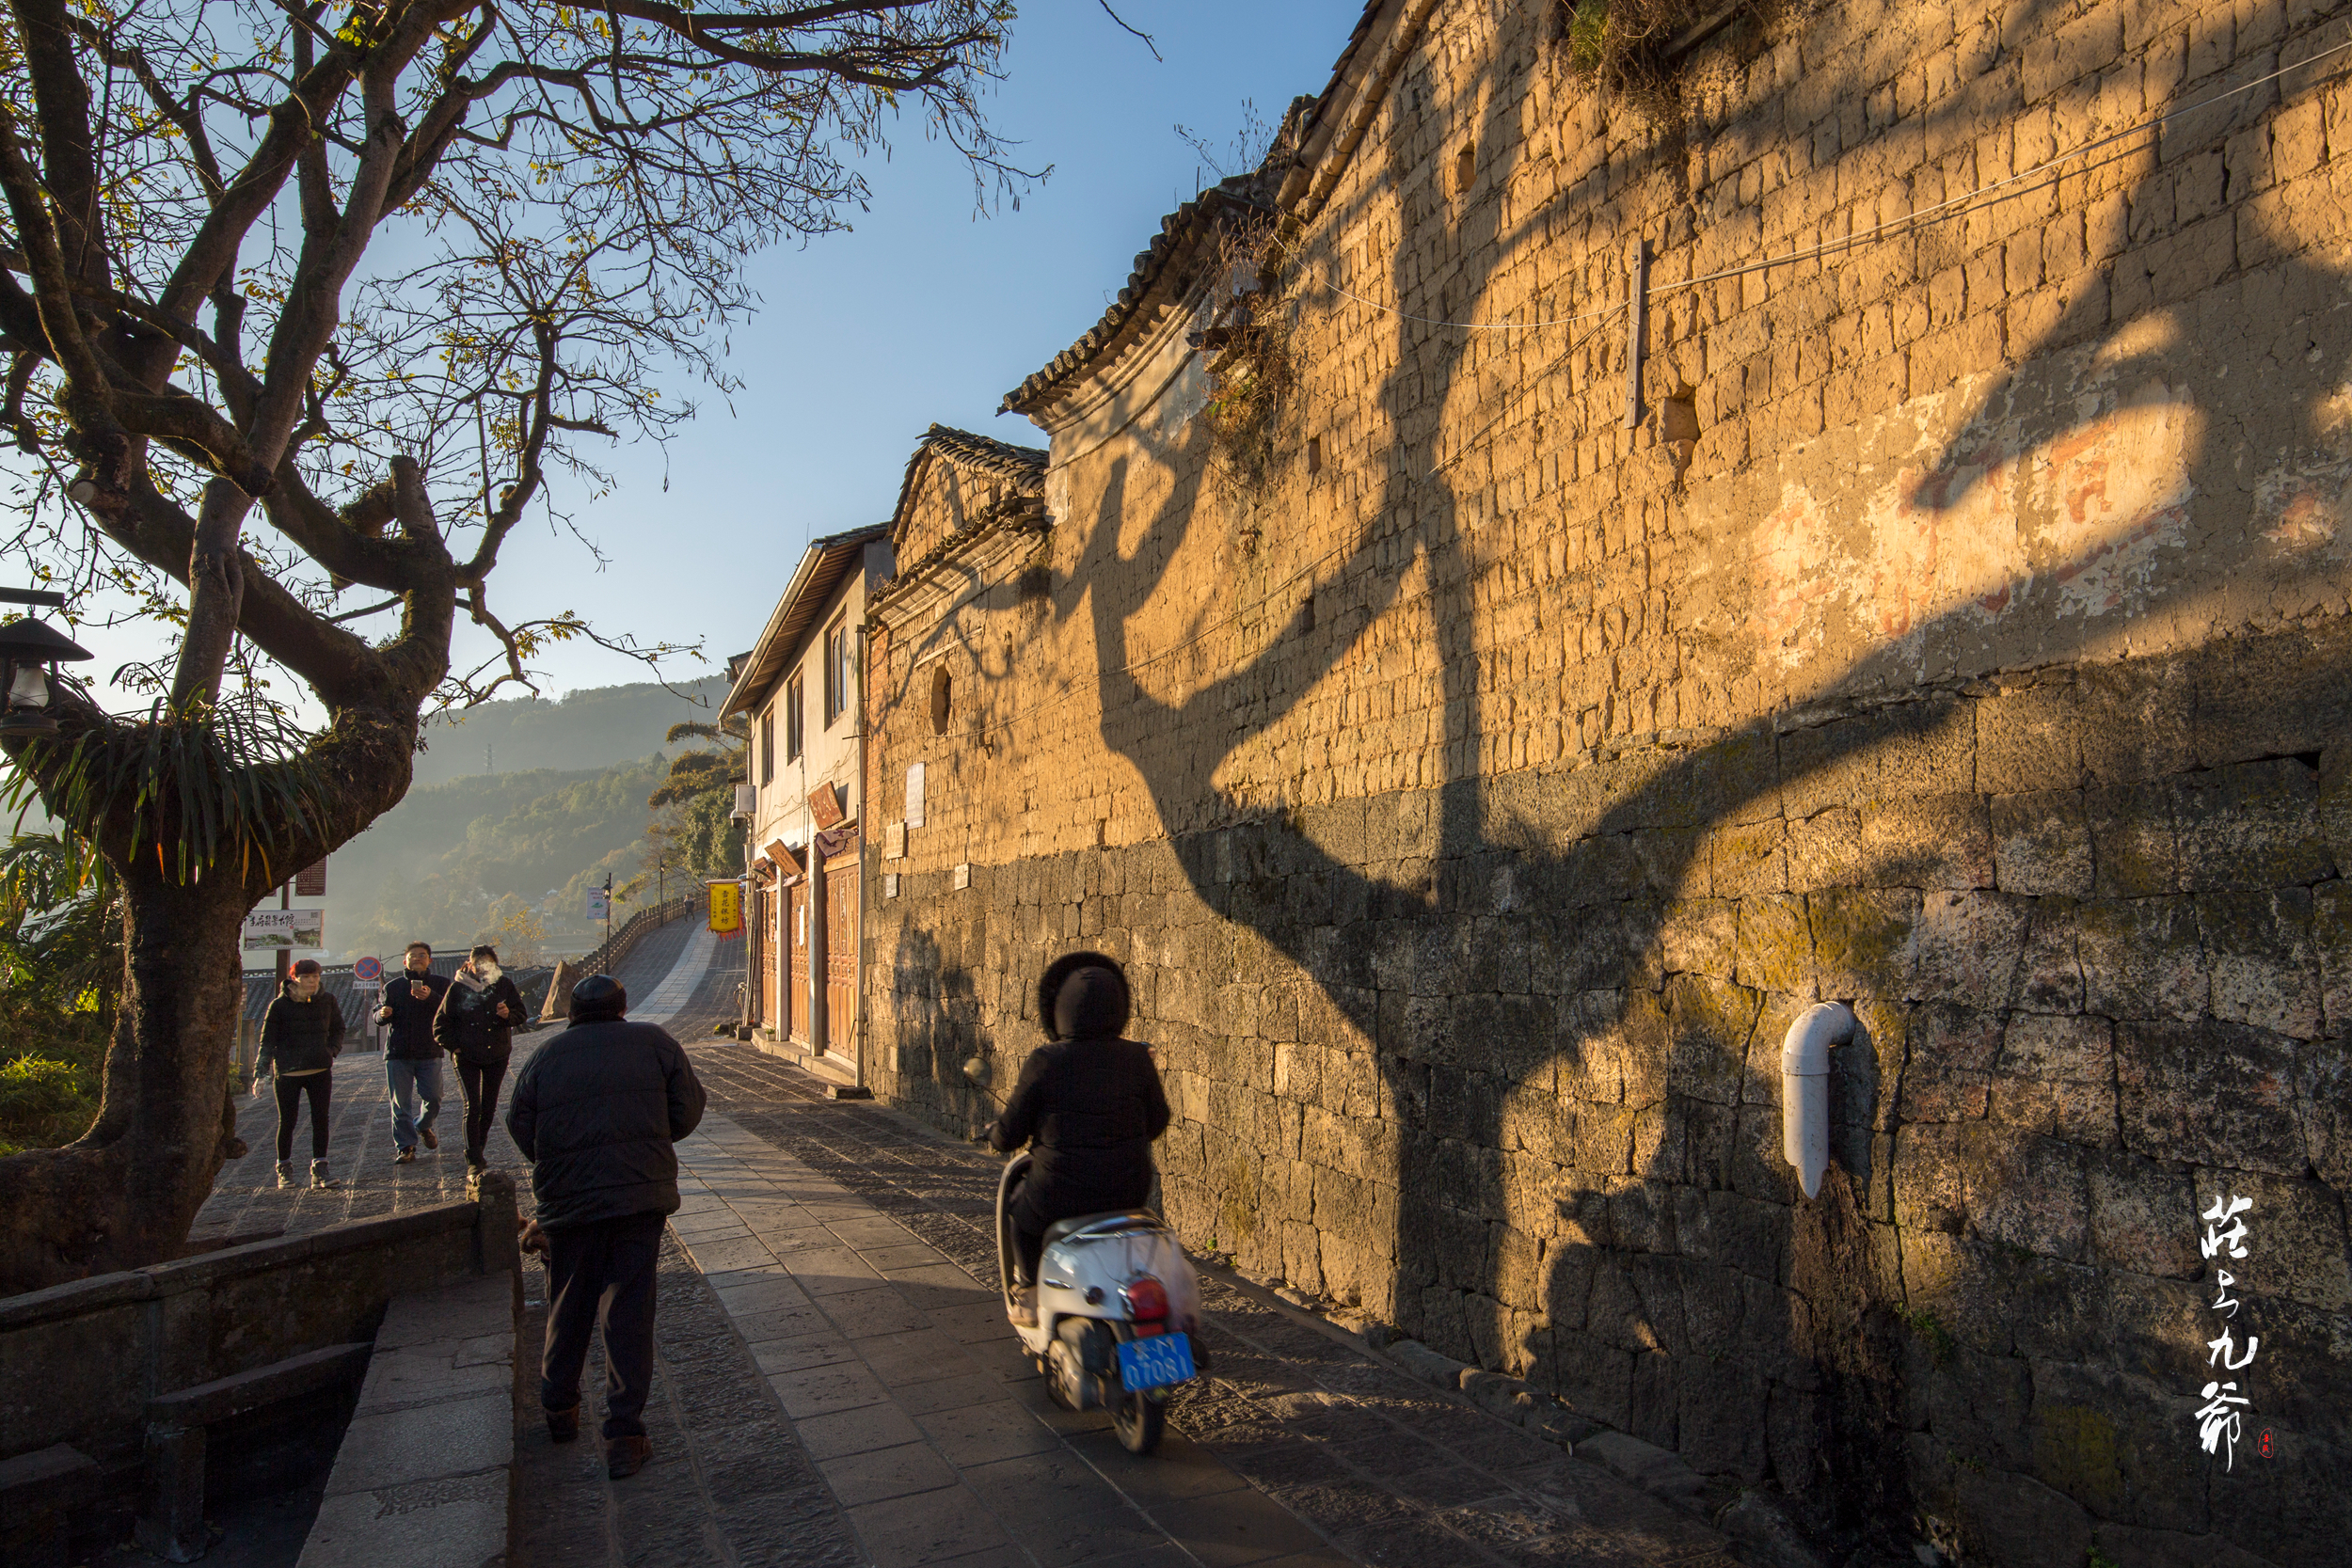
[1156, 1362]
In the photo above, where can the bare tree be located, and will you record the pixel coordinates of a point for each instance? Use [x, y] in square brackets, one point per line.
[299, 301]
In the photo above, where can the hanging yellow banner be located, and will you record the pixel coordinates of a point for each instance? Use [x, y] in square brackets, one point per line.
[726, 907]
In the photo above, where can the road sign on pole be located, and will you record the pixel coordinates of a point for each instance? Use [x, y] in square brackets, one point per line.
[368, 969]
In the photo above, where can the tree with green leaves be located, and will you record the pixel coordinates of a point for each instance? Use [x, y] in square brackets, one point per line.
[693, 833]
[299, 301]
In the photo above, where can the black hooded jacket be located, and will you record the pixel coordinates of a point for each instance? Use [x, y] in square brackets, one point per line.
[411, 1036]
[1091, 1100]
[297, 1036]
[466, 1024]
[596, 1110]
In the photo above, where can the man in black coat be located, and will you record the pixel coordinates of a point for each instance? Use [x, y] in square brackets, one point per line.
[412, 1059]
[1092, 1102]
[596, 1110]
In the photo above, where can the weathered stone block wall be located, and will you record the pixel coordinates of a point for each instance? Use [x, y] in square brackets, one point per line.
[1476, 812]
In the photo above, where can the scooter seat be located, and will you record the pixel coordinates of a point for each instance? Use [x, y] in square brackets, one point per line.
[1126, 1219]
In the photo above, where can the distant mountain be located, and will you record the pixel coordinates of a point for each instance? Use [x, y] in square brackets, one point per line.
[453, 861]
[588, 728]
[512, 802]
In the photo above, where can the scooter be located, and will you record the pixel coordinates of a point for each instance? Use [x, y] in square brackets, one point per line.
[1117, 1312]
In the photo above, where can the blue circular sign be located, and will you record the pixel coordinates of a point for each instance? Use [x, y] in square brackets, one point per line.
[368, 969]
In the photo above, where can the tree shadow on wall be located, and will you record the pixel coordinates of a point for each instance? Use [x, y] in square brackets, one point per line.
[1547, 1035]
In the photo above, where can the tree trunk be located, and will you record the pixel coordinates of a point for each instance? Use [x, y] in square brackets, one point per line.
[125, 1192]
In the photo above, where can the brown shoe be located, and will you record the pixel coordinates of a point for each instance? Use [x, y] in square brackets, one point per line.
[564, 1425]
[625, 1456]
[432, 1139]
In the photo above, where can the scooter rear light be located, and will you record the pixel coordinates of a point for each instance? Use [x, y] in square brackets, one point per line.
[1146, 1299]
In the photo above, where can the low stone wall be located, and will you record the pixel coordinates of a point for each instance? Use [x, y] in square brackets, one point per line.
[79, 1362]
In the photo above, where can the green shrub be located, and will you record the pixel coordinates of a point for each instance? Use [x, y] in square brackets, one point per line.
[46, 1099]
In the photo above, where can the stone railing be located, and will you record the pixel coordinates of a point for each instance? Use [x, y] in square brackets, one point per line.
[80, 1363]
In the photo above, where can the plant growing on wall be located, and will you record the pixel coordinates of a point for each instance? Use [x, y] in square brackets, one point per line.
[303, 302]
[1628, 46]
[1252, 364]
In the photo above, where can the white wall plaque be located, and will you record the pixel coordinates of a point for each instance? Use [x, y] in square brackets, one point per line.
[914, 796]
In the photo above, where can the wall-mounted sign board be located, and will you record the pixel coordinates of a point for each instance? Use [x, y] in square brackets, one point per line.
[265, 929]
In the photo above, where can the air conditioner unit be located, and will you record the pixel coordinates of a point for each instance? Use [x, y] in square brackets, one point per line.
[746, 800]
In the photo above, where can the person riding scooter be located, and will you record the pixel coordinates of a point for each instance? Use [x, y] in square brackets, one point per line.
[1091, 1100]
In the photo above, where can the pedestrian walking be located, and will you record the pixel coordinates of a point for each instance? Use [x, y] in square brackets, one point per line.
[302, 1034]
[412, 1059]
[475, 1025]
[596, 1110]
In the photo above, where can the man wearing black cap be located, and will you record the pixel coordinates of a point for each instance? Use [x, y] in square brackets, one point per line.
[596, 1112]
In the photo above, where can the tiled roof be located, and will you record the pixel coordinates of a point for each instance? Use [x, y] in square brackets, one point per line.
[1024, 466]
[1177, 232]
[1242, 193]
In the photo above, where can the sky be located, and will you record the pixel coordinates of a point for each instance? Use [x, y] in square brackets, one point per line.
[921, 313]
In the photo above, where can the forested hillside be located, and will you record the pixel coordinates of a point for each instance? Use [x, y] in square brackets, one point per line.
[589, 729]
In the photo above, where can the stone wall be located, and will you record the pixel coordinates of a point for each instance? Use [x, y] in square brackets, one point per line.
[79, 1361]
[1963, 634]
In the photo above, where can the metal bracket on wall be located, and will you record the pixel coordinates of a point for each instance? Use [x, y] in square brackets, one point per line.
[1636, 328]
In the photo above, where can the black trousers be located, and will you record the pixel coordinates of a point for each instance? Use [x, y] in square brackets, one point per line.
[318, 1086]
[1027, 1246]
[600, 1275]
[480, 1085]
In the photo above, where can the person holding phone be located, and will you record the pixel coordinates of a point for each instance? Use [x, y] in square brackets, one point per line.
[412, 1059]
[475, 1025]
[302, 1034]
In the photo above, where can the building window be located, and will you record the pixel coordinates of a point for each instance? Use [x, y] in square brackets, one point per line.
[793, 739]
[943, 697]
[838, 673]
[767, 747]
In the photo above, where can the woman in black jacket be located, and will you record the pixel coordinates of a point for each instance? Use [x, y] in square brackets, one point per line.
[302, 1034]
[1090, 1098]
[476, 1026]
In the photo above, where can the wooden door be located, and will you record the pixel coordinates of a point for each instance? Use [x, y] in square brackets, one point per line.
[841, 894]
[764, 904]
[796, 940]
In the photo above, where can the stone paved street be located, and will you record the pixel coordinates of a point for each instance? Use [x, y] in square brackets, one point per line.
[836, 1383]
[853, 1251]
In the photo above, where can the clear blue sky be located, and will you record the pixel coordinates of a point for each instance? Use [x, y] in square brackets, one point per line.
[920, 314]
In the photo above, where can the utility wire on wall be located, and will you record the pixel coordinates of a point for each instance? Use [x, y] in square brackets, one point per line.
[2044, 174]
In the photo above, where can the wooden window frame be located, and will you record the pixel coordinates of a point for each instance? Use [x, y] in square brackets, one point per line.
[837, 670]
[795, 731]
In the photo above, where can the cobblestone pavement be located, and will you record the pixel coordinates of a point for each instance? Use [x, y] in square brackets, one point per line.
[853, 1251]
[834, 1382]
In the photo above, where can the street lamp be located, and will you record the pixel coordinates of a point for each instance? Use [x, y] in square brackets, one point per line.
[30, 652]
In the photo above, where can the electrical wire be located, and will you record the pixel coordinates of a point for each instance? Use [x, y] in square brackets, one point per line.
[1951, 207]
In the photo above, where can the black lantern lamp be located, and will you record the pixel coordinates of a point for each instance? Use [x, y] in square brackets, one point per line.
[30, 652]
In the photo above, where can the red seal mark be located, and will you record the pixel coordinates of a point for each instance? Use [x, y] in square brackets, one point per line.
[2263, 1447]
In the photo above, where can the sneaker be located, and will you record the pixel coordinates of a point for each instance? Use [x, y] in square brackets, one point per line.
[473, 1182]
[404, 1155]
[285, 1173]
[625, 1456]
[320, 1180]
[432, 1139]
[564, 1425]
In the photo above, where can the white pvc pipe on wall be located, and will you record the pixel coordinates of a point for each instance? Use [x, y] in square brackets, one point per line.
[1805, 1088]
